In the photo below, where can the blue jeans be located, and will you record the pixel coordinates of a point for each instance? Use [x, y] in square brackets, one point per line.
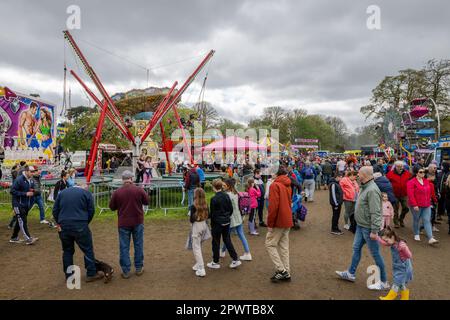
[240, 232]
[40, 203]
[362, 236]
[425, 215]
[83, 238]
[190, 197]
[125, 234]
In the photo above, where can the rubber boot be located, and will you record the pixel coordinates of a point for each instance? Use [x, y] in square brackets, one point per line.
[390, 296]
[404, 294]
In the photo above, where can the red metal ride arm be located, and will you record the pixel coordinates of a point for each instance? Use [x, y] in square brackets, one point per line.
[157, 117]
[163, 135]
[91, 73]
[158, 111]
[96, 142]
[100, 104]
[183, 133]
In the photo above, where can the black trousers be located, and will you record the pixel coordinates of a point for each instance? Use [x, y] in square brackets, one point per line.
[442, 206]
[335, 218]
[139, 176]
[352, 224]
[261, 209]
[21, 223]
[218, 231]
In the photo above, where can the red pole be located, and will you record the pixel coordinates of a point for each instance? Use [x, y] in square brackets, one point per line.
[156, 115]
[91, 73]
[100, 104]
[163, 135]
[96, 142]
[177, 116]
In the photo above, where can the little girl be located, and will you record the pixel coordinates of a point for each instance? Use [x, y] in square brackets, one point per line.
[147, 170]
[254, 193]
[198, 216]
[388, 211]
[401, 264]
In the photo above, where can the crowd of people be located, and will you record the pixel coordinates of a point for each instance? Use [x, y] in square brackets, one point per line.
[376, 197]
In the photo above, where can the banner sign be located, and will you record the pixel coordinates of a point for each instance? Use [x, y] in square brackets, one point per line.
[304, 146]
[26, 123]
[307, 140]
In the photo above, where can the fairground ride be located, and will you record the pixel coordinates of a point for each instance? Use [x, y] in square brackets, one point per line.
[109, 109]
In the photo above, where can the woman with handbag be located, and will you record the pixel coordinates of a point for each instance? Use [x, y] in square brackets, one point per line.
[200, 230]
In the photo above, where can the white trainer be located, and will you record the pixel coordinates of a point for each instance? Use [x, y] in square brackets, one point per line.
[223, 254]
[213, 265]
[417, 237]
[246, 257]
[235, 264]
[195, 267]
[433, 241]
[200, 272]
[347, 227]
[379, 286]
[44, 222]
[435, 229]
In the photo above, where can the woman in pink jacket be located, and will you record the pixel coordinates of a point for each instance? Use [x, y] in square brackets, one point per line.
[419, 201]
[350, 188]
[254, 193]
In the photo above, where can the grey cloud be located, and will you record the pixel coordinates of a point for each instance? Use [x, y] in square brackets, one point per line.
[307, 51]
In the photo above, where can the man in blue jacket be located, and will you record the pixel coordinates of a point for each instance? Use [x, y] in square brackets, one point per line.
[22, 192]
[73, 211]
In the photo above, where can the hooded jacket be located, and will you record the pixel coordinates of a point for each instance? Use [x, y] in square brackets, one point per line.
[385, 186]
[349, 188]
[399, 182]
[280, 203]
[19, 191]
[336, 193]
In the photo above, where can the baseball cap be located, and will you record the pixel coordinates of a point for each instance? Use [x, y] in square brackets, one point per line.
[127, 174]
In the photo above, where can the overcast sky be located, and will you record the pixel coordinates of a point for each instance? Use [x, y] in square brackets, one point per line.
[318, 55]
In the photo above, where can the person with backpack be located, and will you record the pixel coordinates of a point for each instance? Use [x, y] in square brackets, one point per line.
[221, 209]
[236, 220]
[327, 172]
[260, 184]
[254, 193]
[279, 222]
[309, 181]
[296, 184]
[191, 182]
[336, 200]
[201, 175]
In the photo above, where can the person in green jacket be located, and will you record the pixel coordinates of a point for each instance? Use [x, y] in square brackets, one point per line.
[368, 216]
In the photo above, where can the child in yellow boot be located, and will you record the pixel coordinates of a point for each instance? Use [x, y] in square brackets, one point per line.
[401, 264]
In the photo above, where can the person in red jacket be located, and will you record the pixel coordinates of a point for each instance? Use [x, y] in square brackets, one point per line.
[419, 199]
[399, 177]
[279, 223]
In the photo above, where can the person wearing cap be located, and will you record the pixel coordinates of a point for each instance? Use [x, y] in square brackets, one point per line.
[22, 192]
[73, 211]
[129, 201]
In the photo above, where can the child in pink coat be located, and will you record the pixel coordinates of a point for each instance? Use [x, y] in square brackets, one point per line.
[388, 211]
[254, 193]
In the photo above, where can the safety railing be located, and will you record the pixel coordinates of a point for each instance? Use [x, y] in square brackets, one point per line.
[163, 194]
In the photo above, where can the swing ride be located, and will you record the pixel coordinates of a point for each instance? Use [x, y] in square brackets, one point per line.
[108, 109]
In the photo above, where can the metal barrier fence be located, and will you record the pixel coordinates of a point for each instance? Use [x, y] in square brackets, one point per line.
[164, 195]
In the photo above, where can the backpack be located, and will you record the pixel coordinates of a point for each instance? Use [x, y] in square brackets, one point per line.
[309, 172]
[244, 202]
[299, 211]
